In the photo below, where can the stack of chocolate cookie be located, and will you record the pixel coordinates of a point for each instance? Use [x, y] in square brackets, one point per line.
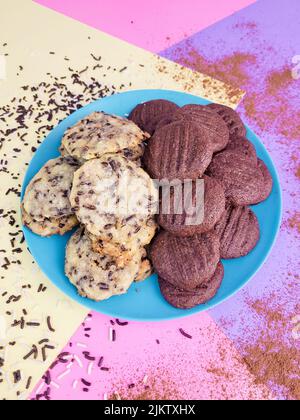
[209, 143]
[98, 182]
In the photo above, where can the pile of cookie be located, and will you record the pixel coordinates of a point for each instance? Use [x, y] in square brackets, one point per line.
[84, 186]
[104, 181]
[209, 143]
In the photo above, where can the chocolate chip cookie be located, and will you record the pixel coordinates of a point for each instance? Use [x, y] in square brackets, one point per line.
[47, 195]
[99, 134]
[113, 198]
[211, 121]
[95, 276]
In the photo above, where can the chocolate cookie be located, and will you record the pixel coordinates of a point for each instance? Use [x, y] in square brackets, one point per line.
[241, 178]
[186, 262]
[186, 299]
[232, 119]
[204, 215]
[169, 119]
[148, 114]
[213, 123]
[242, 145]
[238, 231]
[180, 150]
[268, 180]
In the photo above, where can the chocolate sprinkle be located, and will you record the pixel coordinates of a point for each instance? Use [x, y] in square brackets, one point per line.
[51, 329]
[121, 323]
[17, 376]
[184, 333]
[29, 380]
[88, 357]
[86, 383]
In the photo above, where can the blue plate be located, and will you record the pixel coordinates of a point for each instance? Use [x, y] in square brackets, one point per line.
[144, 302]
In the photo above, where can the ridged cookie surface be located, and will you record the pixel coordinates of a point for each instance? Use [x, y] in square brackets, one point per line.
[51, 226]
[200, 210]
[186, 262]
[232, 119]
[148, 114]
[180, 150]
[242, 145]
[242, 179]
[185, 299]
[124, 251]
[238, 231]
[211, 121]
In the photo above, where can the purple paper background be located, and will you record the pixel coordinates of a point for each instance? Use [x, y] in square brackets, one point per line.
[266, 35]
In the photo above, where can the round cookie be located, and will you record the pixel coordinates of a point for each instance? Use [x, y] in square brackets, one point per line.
[113, 198]
[217, 130]
[169, 119]
[148, 114]
[95, 276]
[241, 178]
[238, 231]
[186, 299]
[185, 262]
[232, 119]
[268, 180]
[180, 150]
[124, 251]
[49, 227]
[134, 154]
[211, 121]
[214, 206]
[242, 145]
[47, 195]
[99, 134]
[145, 270]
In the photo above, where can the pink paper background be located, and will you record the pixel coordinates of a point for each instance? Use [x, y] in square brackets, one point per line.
[204, 367]
[153, 25]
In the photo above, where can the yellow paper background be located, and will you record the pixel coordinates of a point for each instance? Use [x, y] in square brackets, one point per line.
[31, 33]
